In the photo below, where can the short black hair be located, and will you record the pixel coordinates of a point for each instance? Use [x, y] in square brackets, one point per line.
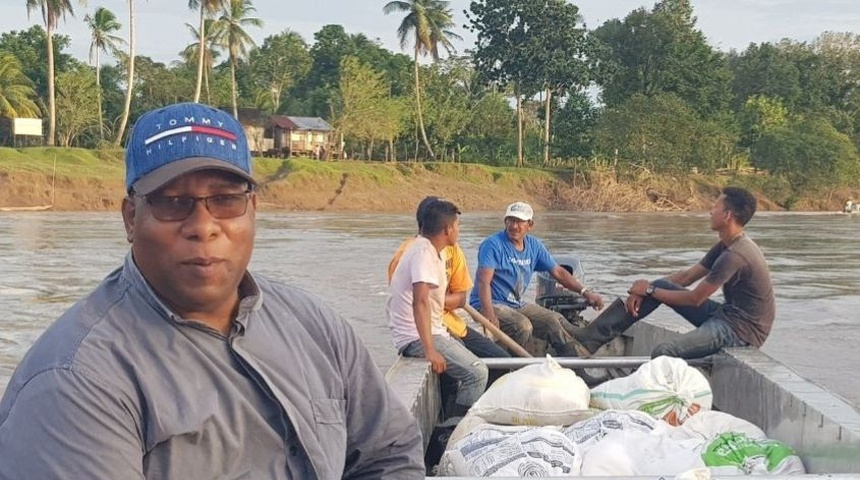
[422, 206]
[435, 215]
[741, 203]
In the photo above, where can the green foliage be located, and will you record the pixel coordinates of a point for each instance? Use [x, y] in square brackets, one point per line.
[663, 134]
[30, 48]
[16, 91]
[810, 154]
[281, 62]
[661, 51]
[77, 106]
[760, 114]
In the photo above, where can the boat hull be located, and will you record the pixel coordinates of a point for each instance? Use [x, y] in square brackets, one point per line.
[823, 429]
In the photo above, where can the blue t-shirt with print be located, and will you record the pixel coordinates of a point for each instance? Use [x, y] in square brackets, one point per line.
[513, 268]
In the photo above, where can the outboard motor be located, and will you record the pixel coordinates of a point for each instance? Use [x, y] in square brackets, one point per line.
[553, 296]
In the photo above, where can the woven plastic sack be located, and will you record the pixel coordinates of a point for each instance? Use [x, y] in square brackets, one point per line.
[540, 394]
[665, 388]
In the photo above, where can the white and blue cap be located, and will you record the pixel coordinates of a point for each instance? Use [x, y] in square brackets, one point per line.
[521, 210]
[182, 138]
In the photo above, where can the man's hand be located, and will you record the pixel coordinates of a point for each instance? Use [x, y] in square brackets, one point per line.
[637, 294]
[638, 287]
[437, 362]
[594, 300]
[633, 303]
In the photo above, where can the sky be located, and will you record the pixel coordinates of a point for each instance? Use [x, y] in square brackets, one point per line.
[161, 32]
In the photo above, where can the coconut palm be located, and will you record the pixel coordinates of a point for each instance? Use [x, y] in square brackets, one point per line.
[16, 90]
[120, 131]
[230, 34]
[192, 53]
[102, 24]
[207, 8]
[428, 24]
[52, 11]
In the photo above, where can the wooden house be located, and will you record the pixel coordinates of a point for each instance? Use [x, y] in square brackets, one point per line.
[298, 136]
[253, 121]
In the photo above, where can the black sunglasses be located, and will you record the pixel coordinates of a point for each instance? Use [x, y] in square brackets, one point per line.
[170, 208]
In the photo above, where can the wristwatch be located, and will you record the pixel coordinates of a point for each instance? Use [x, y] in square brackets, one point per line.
[649, 290]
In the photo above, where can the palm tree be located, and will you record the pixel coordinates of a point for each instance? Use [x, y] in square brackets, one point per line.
[130, 78]
[230, 34]
[206, 8]
[16, 90]
[102, 24]
[430, 22]
[52, 11]
[192, 53]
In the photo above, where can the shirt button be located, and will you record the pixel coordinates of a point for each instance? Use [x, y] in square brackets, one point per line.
[294, 450]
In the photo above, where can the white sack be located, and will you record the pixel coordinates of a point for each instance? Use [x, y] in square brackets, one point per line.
[638, 453]
[587, 433]
[540, 394]
[505, 451]
[665, 387]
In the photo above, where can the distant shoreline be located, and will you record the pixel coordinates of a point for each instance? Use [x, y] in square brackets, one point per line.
[93, 180]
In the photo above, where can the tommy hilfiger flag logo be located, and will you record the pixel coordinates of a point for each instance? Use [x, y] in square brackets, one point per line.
[217, 132]
[178, 133]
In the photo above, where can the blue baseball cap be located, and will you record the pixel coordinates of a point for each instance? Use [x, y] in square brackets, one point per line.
[174, 140]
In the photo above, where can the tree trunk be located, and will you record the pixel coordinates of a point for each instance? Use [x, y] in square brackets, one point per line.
[418, 103]
[99, 95]
[130, 88]
[52, 103]
[520, 161]
[206, 81]
[546, 128]
[235, 94]
[201, 52]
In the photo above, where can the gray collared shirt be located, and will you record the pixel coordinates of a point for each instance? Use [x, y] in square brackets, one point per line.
[119, 387]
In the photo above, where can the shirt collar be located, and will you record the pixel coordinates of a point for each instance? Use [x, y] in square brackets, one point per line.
[250, 295]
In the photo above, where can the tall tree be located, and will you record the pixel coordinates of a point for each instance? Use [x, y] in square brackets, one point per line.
[76, 102]
[661, 51]
[102, 24]
[230, 34]
[16, 90]
[279, 63]
[428, 24]
[206, 8]
[193, 52]
[52, 11]
[120, 131]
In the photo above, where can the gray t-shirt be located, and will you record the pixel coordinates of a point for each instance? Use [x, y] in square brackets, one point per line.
[741, 269]
[119, 387]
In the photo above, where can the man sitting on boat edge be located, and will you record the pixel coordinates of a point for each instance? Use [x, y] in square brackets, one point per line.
[459, 284]
[734, 263]
[415, 305]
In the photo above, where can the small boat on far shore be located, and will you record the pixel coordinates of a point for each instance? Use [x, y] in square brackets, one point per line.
[851, 207]
[36, 208]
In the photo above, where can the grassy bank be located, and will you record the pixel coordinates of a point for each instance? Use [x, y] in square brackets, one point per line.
[78, 179]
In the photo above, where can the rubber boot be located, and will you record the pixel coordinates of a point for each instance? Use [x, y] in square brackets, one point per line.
[611, 322]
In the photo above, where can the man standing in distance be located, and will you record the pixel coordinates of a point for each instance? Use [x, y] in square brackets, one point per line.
[734, 263]
[416, 303]
[182, 364]
[506, 262]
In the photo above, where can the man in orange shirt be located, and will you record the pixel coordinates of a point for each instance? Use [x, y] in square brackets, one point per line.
[459, 283]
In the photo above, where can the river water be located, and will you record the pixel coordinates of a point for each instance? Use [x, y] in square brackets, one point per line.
[49, 260]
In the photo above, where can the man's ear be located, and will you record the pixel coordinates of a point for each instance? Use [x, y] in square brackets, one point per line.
[128, 212]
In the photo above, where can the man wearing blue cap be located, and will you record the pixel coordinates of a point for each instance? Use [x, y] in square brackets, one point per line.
[182, 364]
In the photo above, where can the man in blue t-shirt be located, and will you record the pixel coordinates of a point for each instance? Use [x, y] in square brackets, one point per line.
[506, 262]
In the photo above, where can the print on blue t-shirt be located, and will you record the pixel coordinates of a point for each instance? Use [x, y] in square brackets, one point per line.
[513, 269]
